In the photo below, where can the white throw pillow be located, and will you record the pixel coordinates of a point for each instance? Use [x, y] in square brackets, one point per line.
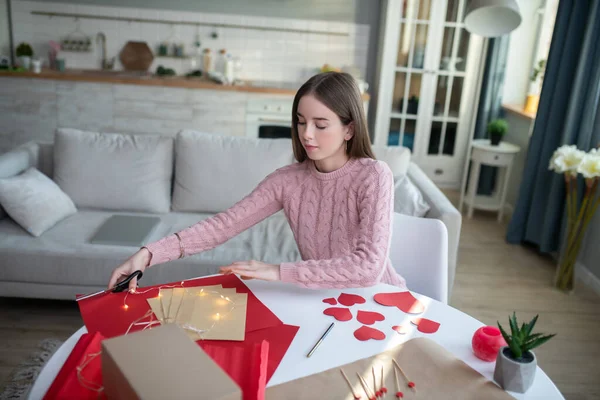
[114, 171]
[213, 172]
[34, 201]
[396, 157]
[408, 199]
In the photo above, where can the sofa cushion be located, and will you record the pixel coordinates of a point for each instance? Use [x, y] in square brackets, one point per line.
[396, 157]
[408, 199]
[213, 172]
[64, 256]
[114, 171]
[34, 201]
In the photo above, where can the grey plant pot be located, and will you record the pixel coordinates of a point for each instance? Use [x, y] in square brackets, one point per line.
[513, 375]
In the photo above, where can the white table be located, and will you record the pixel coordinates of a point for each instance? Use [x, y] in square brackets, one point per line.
[483, 153]
[304, 308]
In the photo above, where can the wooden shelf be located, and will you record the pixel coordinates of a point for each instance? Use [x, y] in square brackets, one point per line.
[147, 79]
[518, 110]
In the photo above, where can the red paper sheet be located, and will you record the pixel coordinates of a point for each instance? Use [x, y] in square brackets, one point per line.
[225, 353]
[66, 385]
[106, 314]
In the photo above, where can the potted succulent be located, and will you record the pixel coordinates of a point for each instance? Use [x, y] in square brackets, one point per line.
[496, 129]
[24, 53]
[516, 363]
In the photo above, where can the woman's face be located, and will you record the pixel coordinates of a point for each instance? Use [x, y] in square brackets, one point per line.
[321, 131]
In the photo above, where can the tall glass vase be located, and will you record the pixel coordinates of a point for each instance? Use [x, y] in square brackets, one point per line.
[578, 219]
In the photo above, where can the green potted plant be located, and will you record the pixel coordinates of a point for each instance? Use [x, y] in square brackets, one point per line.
[24, 53]
[496, 129]
[516, 363]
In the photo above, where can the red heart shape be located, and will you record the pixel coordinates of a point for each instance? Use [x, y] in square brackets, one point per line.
[405, 301]
[369, 317]
[331, 301]
[401, 329]
[350, 299]
[426, 325]
[339, 313]
[365, 333]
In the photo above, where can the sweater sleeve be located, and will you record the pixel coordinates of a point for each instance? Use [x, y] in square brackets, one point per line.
[265, 200]
[365, 265]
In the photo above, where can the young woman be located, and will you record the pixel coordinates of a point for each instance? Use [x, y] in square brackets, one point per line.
[337, 199]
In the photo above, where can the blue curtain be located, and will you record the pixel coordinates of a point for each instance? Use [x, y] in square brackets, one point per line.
[490, 102]
[568, 113]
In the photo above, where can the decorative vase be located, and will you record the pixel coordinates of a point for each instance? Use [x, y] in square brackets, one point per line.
[487, 342]
[579, 217]
[515, 376]
[531, 103]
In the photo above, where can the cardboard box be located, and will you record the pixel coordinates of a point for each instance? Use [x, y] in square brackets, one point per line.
[162, 363]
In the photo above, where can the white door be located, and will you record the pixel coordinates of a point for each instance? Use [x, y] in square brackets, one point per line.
[429, 70]
[452, 80]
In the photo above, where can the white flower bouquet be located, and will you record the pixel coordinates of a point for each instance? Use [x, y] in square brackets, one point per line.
[571, 162]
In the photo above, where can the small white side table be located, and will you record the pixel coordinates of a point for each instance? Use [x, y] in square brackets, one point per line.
[483, 153]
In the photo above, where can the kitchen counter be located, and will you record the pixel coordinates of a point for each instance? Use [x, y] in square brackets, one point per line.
[147, 79]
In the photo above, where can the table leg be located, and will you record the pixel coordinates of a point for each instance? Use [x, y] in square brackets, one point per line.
[463, 186]
[504, 190]
[473, 182]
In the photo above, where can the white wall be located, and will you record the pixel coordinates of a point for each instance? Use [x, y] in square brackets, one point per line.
[4, 37]
[520, 53]
[265, 55]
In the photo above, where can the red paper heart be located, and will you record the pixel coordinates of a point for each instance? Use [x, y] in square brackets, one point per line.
[369, 317]
[350, 299]
[339, 313]
[405, 301]
[401, 329]
[331, 301]
[365, 333]
[426, 325]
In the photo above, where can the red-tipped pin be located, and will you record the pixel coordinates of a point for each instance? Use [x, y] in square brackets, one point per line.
[411, 385]
[356, 396]
[399, 395]
[383, 389]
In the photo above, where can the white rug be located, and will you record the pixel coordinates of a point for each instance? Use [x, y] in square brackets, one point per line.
[22, 378]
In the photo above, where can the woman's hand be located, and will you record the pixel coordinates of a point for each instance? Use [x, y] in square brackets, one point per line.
[253, 270]
[136, 262]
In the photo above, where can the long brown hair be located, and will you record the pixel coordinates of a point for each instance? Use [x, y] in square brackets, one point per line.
[339, 92]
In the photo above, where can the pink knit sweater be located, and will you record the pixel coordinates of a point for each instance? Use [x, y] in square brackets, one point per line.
[341, 221]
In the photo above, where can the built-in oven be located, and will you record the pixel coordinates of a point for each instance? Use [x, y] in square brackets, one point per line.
[269, 118]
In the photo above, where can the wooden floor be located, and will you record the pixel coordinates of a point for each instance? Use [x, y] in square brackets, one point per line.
[493, 279]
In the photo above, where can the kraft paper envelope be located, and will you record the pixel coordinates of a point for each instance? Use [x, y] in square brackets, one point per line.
[162, 305]
[183, 296]
[200, 313]
[229, 325]
[170, 299]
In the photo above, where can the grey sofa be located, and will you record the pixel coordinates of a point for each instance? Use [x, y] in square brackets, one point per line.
[61, 263]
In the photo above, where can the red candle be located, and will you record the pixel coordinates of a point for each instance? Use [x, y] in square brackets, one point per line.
[487, 341]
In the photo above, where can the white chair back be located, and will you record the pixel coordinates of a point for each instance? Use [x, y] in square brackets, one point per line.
[419, 252]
